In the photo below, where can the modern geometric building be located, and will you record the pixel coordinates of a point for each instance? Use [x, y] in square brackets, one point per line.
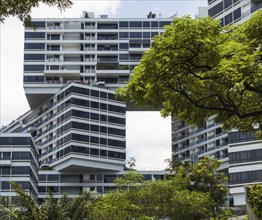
[77, 127]
[191, 144]
[232, 11]
[245, 168]
[90, 50]
[18, 162]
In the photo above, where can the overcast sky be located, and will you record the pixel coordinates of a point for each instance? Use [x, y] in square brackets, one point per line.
[148, 135]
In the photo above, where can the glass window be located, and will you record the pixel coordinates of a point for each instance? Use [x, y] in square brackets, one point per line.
[94, 140]
[6, 170]
[54, 37]
[94, 128]
[217, 9]
[154, 34]
[53, 47]
[123, 35]
[147, 177]
[94, 116]
[37, 24]
[103, 141]
[5, 185]
[146, 34]
[109, 178]
[6, 155]
[35, 35]
[99, 178]
[103, 106]
[42, 177]
[95, 93]
[34, 46]
[103, 129]
[56, 67]
[237, 14]
[94, 151]
[154, 24]
[146, 24]
[123, 46]
[33, 57]
[123, 57]
[163, 23]
[34, 68]
[21, 155]
[116, 143]
[42, 189]
[135, 24]
[21, 170]
[103, 95]
[228, 19]
[227, 3]
[135, 34]
[123, 24]
[52, 177]
[115, 131]
[95, 105]
[103, 118]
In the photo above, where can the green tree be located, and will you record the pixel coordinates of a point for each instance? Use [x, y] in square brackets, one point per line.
[197, 68]
[26, 207]
[157, 199]
[203, 177]
[22, 8]
[255, 199]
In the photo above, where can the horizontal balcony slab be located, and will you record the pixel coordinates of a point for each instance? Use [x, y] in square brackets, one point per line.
[74, 162]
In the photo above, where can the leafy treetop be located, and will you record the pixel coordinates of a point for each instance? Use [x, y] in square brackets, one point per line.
[197, 69]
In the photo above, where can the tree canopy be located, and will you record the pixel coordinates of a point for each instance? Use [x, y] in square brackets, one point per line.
[189, 192]
[22, 8]
[197, 69]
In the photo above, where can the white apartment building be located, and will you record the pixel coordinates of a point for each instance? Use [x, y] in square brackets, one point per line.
[245, 168]
[71, 68]
[232, 11]
[90, 50]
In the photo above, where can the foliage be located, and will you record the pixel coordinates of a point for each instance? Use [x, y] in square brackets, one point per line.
[189, 192]
[255, 199]
[203, 177]
[25, 206]
[22, 8]
[197, 69]
[152, 200]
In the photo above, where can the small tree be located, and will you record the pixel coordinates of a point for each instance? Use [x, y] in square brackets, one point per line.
[25, 206]
[156, 199]
[202, 177]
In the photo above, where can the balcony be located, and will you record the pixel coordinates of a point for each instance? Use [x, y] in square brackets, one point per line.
[138, 49]
[90, 27]
[62, 70]
[106, 68]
